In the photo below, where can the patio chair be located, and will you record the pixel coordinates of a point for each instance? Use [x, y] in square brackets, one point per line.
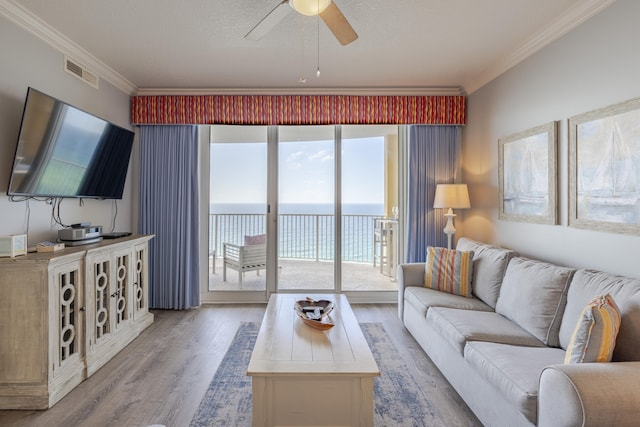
[252, 256]
[383, 245]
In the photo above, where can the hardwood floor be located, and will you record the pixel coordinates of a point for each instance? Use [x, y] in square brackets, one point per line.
[161, 376]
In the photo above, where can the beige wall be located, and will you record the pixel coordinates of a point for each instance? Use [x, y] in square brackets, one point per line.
[593, 66]
[390, 173]
[28, 61]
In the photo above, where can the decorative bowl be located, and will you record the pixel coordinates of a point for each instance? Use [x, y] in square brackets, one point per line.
[315, 313]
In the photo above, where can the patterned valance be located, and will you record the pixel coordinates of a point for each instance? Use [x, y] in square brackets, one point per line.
[297, 109]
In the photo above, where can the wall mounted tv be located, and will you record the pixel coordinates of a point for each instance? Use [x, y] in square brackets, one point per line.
[63, 151]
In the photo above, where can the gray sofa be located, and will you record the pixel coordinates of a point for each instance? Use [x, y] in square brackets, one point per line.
[503, 348]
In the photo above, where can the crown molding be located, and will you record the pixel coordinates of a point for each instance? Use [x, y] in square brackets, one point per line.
[364, 91]
[581, 11]
[578, 13]
[31, 23]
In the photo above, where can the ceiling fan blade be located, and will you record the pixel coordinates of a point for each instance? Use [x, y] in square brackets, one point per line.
[338, 24]
[267, 23]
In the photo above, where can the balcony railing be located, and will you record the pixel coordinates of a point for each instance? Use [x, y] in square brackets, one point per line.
[300, 236]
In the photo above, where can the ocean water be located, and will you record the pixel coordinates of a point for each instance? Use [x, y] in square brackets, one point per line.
[305, 230]
[298, 208]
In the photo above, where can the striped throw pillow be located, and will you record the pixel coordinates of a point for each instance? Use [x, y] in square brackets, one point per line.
[594, 338]
[449, 270]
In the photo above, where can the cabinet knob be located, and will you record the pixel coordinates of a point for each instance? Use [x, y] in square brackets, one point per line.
[83, 308]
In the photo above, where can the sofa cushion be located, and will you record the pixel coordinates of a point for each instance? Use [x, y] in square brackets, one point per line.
[533, 294]
[423, 298]
[587, 284]
[449, 270]
[459, 326]
[513, 370]
[594, 338]
[489, 266]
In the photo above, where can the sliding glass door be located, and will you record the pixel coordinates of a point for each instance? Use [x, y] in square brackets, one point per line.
[237, 220]
[369, 177]
[306, 208]
[300, 209]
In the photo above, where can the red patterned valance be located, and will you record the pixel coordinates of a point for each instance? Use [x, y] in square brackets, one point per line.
[297, 109]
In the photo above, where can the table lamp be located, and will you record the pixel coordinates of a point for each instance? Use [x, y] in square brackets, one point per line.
[451, 196]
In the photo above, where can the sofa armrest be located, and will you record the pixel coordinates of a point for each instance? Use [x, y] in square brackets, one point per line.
[410, 274]
[589, 394]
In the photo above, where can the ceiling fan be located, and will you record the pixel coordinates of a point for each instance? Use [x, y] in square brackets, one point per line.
[327, 9]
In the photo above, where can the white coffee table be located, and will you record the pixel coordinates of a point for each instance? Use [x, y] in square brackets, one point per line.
[305, 377]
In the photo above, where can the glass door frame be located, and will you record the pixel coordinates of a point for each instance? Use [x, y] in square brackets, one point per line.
[212, 297]
[336, 220]
[208, 296]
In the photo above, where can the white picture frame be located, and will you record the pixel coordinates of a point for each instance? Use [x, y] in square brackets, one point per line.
[604, 169]
[527, 175]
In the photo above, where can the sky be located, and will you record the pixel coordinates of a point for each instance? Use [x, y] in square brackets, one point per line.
[306, 171]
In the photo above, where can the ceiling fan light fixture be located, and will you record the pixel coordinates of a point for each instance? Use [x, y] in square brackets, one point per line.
[309, 7]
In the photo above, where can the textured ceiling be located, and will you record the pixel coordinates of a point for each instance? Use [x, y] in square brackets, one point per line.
[200, 44]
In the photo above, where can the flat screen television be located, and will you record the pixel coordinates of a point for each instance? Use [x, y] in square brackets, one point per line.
[63, 151]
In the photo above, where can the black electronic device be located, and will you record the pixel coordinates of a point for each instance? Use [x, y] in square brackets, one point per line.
[81, 225]
[63, 151]
[116, 234]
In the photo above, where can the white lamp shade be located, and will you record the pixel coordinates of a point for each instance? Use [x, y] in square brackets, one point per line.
[454, 196]
[309, 7]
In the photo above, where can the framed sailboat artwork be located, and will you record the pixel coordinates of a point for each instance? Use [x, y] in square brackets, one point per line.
[527, 175]
[604, 169]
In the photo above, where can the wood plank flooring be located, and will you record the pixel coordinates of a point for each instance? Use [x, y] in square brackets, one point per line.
[161, 376]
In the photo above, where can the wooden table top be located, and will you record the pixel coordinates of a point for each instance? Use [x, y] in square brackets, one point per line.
[285, 345]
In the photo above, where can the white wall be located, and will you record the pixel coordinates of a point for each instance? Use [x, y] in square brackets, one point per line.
[593, 66]
[28, 61]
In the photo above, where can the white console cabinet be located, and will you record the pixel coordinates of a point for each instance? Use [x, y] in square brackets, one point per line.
[67, 313]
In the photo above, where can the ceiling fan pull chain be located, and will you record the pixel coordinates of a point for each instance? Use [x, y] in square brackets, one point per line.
[302, 79]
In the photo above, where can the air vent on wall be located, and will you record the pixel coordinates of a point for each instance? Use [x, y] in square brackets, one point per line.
[72, 67]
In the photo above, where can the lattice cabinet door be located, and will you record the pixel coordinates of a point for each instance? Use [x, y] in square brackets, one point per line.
[122, 289]
[140, 281]
[66, 349]
[110, 293]
[99, 276]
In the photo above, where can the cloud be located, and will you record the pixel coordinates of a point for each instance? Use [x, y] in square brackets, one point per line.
[322, 155]
[294, 156]
[293, 160]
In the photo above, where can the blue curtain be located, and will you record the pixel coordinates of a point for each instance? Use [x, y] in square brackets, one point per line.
[433, 159]
[168, 203]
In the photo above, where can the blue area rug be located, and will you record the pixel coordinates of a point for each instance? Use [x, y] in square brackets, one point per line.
[398, 400]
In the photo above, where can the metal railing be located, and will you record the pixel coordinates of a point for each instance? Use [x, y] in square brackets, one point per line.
[300, 236]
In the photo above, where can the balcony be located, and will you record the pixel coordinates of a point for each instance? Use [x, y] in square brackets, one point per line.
[305, 250]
